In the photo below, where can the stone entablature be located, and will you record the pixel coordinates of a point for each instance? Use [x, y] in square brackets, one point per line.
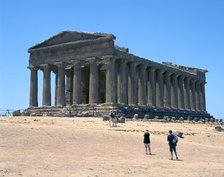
[90, 69]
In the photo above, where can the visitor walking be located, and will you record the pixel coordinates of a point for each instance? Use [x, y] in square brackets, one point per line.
[147, 142]
[172, 141]
[113, 119]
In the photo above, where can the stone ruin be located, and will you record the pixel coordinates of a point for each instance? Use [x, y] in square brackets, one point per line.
[94, 76]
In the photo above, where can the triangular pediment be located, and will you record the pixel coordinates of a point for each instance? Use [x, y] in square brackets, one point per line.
[70, 36]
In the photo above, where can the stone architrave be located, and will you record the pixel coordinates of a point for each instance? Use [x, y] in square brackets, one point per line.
[46, 85]
[93, 82]
[77, 89]
[33, 86]
[61, 84]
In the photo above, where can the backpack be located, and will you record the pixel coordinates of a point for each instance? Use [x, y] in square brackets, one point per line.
[175, 139]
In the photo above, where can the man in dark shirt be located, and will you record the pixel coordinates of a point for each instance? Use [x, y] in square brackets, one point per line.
[172, 140]
[146, 142]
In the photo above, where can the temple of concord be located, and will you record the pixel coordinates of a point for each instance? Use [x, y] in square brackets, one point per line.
[91, 75]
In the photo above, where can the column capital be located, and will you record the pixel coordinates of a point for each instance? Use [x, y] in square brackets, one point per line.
[92, 60]
[168, 74]
[181, 77]
[59, 64]
[31, 67]
[152, 68]
[45, 67]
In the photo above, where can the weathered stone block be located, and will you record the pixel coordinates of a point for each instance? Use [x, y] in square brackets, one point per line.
[135, 117]
[121, 120]
[16, 112]
[106, 118]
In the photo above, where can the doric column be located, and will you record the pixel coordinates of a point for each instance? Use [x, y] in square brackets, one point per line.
[159, 89]
[61, 84]
[33, 86]
[46, 85]
[123, 83]
[132, 85]
[56, 87]
[167, 91]
[193, 104]
[203, 105]
[198, 100]
[77, 85]
[174, 92]
[93, 82]
[69, 87]
[110, 81]
[187, 94]
[152, 88]
[142, 86]
[181, 93]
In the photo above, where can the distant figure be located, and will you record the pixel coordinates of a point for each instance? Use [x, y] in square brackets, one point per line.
[113, 119]
[147, 142]
[172, 140]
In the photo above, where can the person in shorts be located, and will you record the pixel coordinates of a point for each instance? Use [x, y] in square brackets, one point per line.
[146, 142]
[172, 141]
[113, 119]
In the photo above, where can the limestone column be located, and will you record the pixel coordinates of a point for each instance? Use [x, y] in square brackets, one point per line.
[33, 87]
[142, 86]
[110, 82]
[181, 93]
[93, 83]
[159, 89]
[61, 84]
[134, 84]
[193, 99]
[123, 83]
[69, 87]
[46, 85]
[56, 88]
[203, 105]
[174, 92]
[187, 94]
[77, 85]
[167, 91]
[198, 100]
[152, 88]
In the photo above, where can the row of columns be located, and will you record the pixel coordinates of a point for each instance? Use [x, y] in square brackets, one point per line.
[126, 83]
[154, 87]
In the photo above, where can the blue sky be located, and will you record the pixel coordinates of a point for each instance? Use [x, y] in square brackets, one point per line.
[189, 32]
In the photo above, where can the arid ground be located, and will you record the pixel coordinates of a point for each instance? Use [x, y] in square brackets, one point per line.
[49, 147]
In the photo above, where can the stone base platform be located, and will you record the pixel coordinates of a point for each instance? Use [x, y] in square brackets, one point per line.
[86, 110]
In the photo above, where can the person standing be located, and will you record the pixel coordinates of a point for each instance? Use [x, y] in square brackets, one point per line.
[147, 142]
[172, 141]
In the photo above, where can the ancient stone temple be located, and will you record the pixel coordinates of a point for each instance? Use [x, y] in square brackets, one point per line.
[94, 76]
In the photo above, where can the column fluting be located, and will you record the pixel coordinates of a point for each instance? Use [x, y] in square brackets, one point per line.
[93, 83]
[33, 102]
[61, 84]
[46, 85]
